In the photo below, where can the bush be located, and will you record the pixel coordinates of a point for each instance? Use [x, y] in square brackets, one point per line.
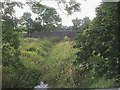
[102, 82]
[54, 39]
[31, 49]
[66, 38]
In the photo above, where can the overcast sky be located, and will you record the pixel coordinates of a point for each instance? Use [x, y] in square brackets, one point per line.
[87, 9]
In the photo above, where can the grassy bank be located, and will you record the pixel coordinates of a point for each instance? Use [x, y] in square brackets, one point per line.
[51, 61]
[51, 58]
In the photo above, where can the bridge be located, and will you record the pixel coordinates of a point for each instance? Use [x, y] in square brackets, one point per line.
[60, 34]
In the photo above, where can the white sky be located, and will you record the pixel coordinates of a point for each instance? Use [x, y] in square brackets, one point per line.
[87, 9]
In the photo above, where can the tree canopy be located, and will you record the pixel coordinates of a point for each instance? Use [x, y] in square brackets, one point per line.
[81, 24]
[10, 40]
[101, 39]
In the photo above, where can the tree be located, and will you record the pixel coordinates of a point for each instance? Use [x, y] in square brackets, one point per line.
[10, 40]
[67, 7]
[11, 65]
[27, 22]
[72, 7]
[77, 23]
[101, 39]
[85, 23]
[36, 26]
[48, 16]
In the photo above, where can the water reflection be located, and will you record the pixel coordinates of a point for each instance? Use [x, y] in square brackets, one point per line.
[42, 86]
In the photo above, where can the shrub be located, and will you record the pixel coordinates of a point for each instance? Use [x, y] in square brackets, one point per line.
[31, 49]
[102, 82]
[66, 38]
[54, 39]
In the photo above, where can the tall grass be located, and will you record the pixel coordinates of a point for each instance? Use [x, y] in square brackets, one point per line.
[51, 61]
[102, 82]
[60, 65]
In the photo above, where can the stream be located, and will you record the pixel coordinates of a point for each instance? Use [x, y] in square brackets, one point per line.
[42, 85]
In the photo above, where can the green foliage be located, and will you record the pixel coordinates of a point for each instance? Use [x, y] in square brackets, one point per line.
[47, 16]
[47, 20]
[36, 46]
[10, 35]
[48, 67]
[76, 23]
[60, 65]
[27, 22]
[52, 65]
[79, 24]
[103, 83]
[53, 61]
[66, 38]
[54, 39]
[72, 7]
[11, 64]
[86, 23]
[36, 26]
[8, 76]
[33, 68]
[10, 41]
[100, 39]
